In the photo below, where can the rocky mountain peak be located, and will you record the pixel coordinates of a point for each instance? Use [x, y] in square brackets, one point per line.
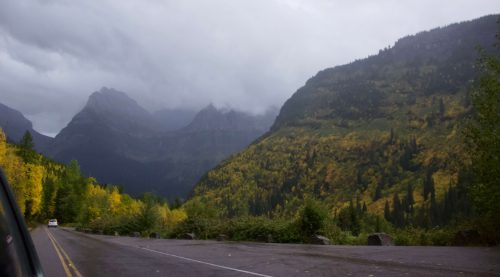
[210, 109]
[211, 118]
[109, 100]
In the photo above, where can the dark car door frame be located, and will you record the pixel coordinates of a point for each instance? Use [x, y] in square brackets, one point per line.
[19, 230]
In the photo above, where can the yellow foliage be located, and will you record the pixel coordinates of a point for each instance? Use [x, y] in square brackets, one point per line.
[96, 203]
[16, 174]
[114, 200]
[3, 145]
[377, 207]
[168, 219]
[33, 190]
[442, 181]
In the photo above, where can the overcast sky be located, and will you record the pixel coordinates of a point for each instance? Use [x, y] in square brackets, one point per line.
[187, 53]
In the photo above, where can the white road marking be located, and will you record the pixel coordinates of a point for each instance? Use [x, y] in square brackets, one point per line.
[202, 262]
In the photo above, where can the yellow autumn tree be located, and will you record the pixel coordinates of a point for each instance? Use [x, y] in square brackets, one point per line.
[33, 189]
[169, 219]
[16, 174]
[95, 204]
[114, 201]
[3, 145]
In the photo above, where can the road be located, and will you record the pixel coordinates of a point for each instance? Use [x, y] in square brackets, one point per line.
[65, 252]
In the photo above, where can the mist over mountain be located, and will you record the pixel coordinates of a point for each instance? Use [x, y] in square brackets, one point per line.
[173, 119]
[367, 130]
[116, 109]
[14, 124]
[211, 118]
[117, 141]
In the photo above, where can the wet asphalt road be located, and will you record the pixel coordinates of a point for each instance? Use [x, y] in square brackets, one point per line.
[97, 255]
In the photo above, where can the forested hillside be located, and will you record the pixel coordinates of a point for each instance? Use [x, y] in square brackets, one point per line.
[382, 135]
[45, 189]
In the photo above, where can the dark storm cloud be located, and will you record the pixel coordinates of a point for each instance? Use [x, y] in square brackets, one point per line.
[243, 54]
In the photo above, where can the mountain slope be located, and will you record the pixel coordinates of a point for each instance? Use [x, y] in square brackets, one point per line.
[367, 129]
[110, 124]
[14, 124]
[183, 156]
[119, 142]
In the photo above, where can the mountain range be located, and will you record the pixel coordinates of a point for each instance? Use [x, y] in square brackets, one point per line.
[369, 130]
[118, 142]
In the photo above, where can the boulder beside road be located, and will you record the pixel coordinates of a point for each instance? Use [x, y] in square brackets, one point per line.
[189, 236]
[381, 239]
[317, 239]
[467, 238]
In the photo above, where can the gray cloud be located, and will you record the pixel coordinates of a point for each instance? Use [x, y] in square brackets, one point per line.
[165, 53]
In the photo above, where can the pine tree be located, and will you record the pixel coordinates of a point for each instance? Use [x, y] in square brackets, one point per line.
[355, 222]
[410, 149]
[148, 215]
[26, 148]
[397, 211]
[447, 206]
[392, 137]
[428, 185]
[413, 145]
[434, 210]
[441, 109]
[359, 210]
[27, 141]
[378, 192]
[409, 199]
[387, 211]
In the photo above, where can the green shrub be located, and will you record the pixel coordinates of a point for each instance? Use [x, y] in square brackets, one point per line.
[418, 236]
[441, 237]
[311, 218]
[263, 229]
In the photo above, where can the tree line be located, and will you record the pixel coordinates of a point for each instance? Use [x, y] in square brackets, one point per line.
[46, 189]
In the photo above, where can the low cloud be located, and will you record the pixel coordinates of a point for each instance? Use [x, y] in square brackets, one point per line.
[243, 54]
